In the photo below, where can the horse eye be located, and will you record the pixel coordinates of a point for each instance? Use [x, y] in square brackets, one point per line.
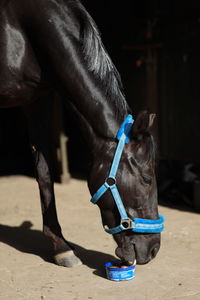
[133, 161]
[147, 179]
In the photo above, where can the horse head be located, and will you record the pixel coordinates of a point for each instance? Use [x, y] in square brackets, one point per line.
[127, 196]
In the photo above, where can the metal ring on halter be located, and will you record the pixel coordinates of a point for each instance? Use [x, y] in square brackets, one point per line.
[127, 224]
[112, 181]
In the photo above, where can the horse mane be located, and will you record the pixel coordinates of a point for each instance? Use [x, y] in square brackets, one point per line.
[98, 61]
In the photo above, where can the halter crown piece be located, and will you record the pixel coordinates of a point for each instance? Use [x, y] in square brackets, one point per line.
[137, 224]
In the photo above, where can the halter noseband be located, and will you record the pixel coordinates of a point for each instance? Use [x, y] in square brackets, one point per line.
[137, 224]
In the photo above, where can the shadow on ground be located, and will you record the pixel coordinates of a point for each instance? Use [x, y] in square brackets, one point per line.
[32, 241]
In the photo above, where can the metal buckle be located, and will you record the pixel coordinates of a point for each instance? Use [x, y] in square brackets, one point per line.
[126, 223]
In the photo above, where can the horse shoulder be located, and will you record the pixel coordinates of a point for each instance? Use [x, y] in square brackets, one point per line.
[19, 70]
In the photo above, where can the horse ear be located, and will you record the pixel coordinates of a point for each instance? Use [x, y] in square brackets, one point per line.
[143, 124]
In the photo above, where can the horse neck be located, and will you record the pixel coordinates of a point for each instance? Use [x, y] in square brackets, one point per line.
[100, 127]
[81, 65]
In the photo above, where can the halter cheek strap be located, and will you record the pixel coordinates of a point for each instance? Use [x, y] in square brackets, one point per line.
[137, 224]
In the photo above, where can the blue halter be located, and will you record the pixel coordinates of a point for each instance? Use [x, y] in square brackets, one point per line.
[137, 224]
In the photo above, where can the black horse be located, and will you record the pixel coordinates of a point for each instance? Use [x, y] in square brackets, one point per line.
[54, 45]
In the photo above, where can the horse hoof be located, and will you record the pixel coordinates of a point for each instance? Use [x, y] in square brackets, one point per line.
[67, 259]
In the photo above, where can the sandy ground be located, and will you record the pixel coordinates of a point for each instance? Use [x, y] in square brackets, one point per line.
[26, 269]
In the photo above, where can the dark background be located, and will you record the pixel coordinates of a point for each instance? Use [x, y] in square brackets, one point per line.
[155, 46]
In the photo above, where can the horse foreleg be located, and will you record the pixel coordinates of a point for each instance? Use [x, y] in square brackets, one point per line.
[63, 253]
[40, 144]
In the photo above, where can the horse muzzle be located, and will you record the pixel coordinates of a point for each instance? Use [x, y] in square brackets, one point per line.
[137, 252]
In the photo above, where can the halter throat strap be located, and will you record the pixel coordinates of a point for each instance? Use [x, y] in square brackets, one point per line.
[137, 224]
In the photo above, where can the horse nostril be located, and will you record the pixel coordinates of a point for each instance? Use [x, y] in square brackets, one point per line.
[154, 251]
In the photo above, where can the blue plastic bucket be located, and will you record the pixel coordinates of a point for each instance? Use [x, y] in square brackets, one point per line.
[117, 272]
